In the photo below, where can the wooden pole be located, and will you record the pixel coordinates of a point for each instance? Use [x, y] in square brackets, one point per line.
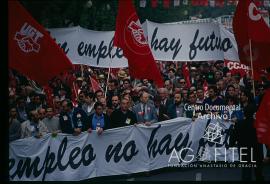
[251, 63]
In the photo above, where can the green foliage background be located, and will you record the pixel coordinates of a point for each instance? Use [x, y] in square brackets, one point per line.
[61, 13]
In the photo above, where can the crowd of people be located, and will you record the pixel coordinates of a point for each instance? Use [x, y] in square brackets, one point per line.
[72, 103]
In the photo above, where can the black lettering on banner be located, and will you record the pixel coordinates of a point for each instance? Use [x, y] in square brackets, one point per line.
[115, 152]
[165, 45]
[51, 162]
[100, 52]
[153, 147]
[211, 42]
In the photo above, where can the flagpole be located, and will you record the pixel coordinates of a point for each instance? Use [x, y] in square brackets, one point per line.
[108, 75]
[251, 63]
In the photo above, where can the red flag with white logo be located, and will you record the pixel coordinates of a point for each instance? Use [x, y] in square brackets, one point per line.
[262, 122]
[130, 37]
[32, 51]
[248, 24]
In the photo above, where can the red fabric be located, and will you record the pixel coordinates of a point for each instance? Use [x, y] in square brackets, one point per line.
[166, 3]
[247, 26]
[199, 2]
[231, 2]
[154, 3]
[262, 122]
[32, 51]
[185, 72]
[205, 87]
[236, 67]
[129, 36]
[49, 95]
[95, 85]
[219, 3]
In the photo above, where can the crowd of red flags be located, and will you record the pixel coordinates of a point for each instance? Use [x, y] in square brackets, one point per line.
[32, 51]
[130, 37]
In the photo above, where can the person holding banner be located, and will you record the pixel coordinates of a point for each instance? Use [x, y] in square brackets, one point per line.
[72, 120]
[145, 112]
[247, 138]
[123, 116]
[98, 121]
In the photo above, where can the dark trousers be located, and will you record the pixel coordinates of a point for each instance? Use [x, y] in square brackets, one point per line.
[247, 172]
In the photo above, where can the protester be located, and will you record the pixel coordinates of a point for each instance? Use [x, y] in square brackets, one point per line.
[98, 121]
[33, 127]
[145, 111]
[72, 120]
[176, 109]
[51, 122]
[14, 125]
[123, 116]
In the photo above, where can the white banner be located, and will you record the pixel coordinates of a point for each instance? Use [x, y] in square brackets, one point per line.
[191, 42]
[119, 151]
[169, 42]
[88, 47]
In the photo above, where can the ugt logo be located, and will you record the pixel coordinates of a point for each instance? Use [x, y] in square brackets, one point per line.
[27, 38]
[137, 32]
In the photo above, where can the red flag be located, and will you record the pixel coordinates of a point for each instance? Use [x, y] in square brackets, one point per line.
[32, 51]
[95, 85]
[262, 122]
[205, 88]
[248, 24]
[154, 3]
[219, 3]
[166, 3]
[130, 37]
[185, 72]
[199, 2]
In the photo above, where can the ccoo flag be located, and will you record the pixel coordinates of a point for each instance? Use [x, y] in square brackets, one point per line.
[130, 37]
[249, 25]
[32, 51]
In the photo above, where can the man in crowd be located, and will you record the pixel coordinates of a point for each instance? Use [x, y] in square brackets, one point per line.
[89, 103]
[72, 120]
[14, 125]
[123, 116]
[164, 95]
[213, 100]
[145, 111]
[42, 113]
[176, 109]
[33, 127]
[98, 121]
[21, 109]
[51, 122]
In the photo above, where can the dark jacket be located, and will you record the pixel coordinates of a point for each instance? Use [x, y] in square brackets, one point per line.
[65, 121]
[162, 113]
[106, 122]
[119, 119]
[172, 110]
